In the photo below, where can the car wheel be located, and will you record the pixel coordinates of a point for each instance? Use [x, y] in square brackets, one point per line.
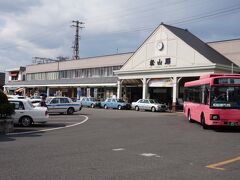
[105, 106]
[204, 125]
[136, 108]
[70, 111]
[92, 106]
[119, 107]
[189, 117]
[26, 121]
[153, 109]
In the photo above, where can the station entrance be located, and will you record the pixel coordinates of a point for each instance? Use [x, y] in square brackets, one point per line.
[162, 94]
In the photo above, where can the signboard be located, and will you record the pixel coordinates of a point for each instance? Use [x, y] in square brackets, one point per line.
[88, 92]
[95, 92]
[161, 83]
[161, 62]
[227, 81]
[79, 93]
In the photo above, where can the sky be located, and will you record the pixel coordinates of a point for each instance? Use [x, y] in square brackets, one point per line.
[42, 28]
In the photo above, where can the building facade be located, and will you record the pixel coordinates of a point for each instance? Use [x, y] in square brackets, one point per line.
[15, 75]
[168, 58]
[85, 77]
[158, 69]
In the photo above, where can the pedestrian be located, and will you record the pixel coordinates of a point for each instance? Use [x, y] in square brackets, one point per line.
[43, 102]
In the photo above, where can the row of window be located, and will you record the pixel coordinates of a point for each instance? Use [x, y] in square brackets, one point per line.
[197, 94]
[76, 73]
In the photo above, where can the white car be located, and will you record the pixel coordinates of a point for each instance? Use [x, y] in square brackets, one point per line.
[149, 104]
[26, 114]
[62, 105]
[15, 97]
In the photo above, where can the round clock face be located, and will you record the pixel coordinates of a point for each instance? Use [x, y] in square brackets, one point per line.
[160, 46]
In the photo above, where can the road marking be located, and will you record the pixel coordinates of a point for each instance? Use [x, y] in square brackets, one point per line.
[118, 149]
[61, 122]
[51, 129]
[149, 155]
[216, 165]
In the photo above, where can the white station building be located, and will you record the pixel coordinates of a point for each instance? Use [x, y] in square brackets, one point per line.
[158, 69]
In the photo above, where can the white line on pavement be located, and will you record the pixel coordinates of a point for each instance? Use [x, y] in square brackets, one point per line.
[149, 155]
[51, 129]
[118, 149]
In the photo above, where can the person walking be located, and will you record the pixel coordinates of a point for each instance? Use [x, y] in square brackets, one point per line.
[43, 102]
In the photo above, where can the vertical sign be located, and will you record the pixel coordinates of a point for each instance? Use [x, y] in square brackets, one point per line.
[88, 92]
[78, 92]
[95, 92]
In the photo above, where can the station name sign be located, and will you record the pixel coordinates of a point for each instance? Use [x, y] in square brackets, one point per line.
[160, 62]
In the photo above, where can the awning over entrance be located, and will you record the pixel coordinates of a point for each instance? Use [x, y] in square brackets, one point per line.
[19, 90]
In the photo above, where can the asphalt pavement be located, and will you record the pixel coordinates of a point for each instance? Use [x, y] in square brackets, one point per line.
[120, 144]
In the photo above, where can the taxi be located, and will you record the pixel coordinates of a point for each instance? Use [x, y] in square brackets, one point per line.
[62, 105]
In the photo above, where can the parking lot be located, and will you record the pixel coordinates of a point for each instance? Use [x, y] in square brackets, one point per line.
[120, 144]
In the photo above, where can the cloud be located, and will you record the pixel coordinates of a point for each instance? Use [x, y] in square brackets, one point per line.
[17, 6]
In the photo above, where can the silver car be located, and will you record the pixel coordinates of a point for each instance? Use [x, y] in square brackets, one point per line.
[149, 104]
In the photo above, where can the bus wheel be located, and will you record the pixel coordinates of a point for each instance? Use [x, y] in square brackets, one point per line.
[189, 117]
[204, 125]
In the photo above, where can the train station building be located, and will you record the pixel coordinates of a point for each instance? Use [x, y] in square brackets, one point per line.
[158, 69]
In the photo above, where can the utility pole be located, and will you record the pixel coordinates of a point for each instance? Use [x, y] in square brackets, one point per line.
[77, 25]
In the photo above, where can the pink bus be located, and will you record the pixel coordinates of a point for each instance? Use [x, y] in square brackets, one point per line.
[213, 100]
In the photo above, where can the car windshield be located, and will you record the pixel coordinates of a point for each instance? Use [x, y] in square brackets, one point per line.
[48, 100]
[153, 101]
[225, 97]
[92, 99]
[36, 97]
[120, 100]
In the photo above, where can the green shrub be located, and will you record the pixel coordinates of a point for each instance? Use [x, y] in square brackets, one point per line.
[6, 109]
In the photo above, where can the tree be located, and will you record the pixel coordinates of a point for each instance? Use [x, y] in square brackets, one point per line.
[6, 109]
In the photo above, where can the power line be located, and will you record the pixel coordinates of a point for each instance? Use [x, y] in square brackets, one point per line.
[133, 11]
[218, 12]
[191, 19]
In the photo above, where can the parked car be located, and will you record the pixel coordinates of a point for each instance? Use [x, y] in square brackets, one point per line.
[36, 97]
[89, 102]
[15, 97]
[149, 104]
[115, 104]
[26, 114]
[62, 105]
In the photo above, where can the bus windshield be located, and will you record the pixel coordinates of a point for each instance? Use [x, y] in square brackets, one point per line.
[225, 97]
